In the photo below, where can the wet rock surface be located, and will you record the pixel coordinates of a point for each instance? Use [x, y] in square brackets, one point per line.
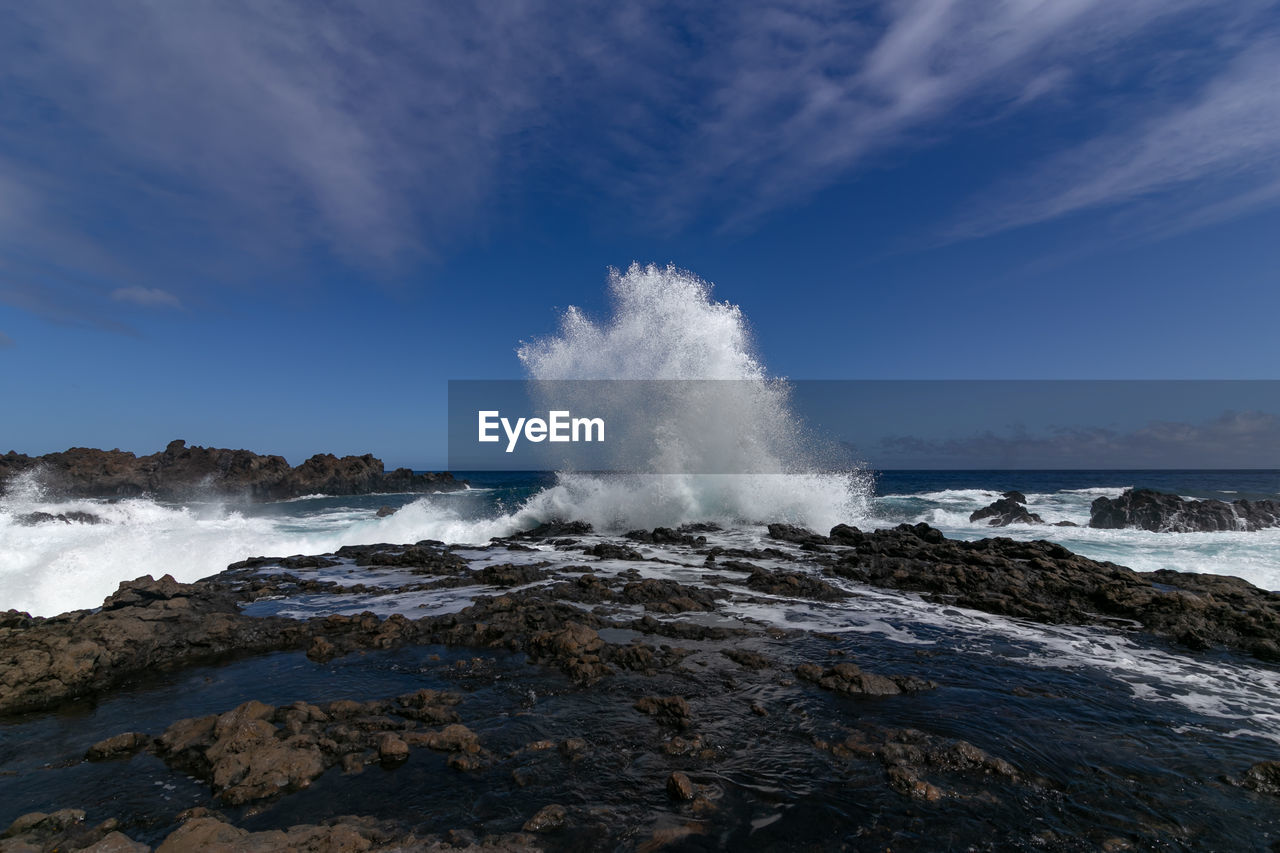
[73, 517]
[203, 830]
[1263, 777]
[257, 751]
[1147, 509]
[1010, 509]
[146, 624]
[1047, 583]
[849, 679]
[910, 757]
[180, 471]
[572, 704]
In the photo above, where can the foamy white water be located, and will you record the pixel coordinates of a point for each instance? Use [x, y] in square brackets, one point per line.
[53, 567]
[664, 324]
[1254, 556]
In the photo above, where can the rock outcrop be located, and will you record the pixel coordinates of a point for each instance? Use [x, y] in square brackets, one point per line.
[205, 830]
[257, 751]
[1147, 509]
[179, 472]
[146, 624]
[1010, 509]
[1045, 582]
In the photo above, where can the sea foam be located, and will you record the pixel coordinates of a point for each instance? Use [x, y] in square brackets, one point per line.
[665, 325]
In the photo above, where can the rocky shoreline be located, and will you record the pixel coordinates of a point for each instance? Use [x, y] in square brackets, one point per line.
[610, 708]
[179, 472]
[1146, 509]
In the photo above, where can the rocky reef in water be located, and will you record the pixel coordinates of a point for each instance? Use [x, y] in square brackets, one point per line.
[1011, 508]
[575, 703]
[1147, 509]
[180, 472]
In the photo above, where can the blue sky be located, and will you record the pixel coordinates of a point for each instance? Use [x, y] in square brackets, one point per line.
[285, 225]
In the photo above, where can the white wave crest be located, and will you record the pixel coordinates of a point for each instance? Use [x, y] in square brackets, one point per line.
[665, 325]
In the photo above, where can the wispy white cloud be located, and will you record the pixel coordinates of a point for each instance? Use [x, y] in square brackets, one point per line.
[229, 136]
[148, 297]
[810, 93]
[315, 123]
[1220, 149]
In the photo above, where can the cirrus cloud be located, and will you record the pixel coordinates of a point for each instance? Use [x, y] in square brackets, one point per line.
[148, 297]
[142, 140]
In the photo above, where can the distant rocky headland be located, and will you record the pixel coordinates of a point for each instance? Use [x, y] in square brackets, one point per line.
[180, 472]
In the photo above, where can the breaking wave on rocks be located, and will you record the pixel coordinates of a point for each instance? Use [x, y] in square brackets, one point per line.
[1254, 556]
[665, 325]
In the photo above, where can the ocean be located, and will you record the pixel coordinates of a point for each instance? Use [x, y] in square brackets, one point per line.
[51, 568]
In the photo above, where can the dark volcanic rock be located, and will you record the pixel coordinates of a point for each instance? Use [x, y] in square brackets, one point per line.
[666, 536]
[576, 647]
[509, 574]
[679, 787]
[908, 755]
[1010, 509]
[1045, 582]
[850, 680]
[548, 819]
[73, 517]
[202, 829]
[149, 625]
[1151, 510]
[179, 472]
[797, 535]
[212, 832]
[1263, 777]
[667, 710]
[65, 829]
[667, 596]
[797, 584]
[423, 558]
[555, 530]
[258, 751]
[610, 551]
[747, 659]
[145, 624]
[118, 746]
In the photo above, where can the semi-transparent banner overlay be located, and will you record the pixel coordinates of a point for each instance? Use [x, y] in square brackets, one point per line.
[784, 426]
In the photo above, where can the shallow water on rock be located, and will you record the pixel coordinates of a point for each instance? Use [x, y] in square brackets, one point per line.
[1116, 738]
[1104, 766]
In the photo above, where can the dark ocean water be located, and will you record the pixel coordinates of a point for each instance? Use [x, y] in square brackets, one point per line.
[1228, 485]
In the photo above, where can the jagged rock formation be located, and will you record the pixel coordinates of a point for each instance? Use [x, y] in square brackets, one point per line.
[180, 471]
[1151, 510]
[1010, 509]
